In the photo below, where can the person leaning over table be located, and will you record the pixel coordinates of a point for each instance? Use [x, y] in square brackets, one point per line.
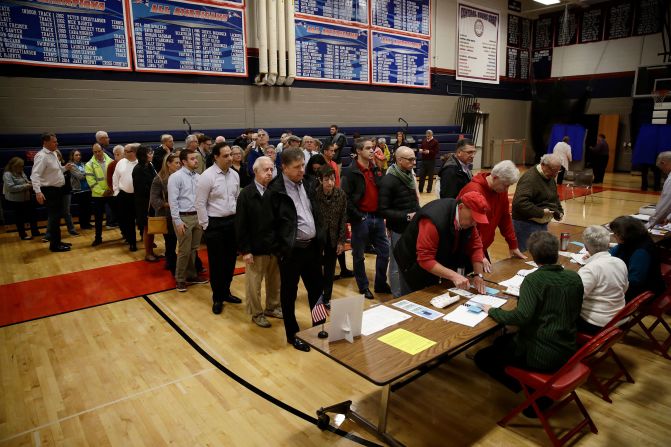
[536, 201]
[636, 248]
[663, 207]
[494, 188]
[604, 278]
[547, 315]
[442, 242]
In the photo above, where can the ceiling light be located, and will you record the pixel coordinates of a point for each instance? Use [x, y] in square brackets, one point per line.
[548, 2]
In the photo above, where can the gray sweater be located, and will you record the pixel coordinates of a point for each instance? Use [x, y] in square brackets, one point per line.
[16, 188]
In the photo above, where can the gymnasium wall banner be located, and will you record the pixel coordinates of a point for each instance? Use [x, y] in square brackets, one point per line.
[477, 44]
[330, 52]
[400, 60]
[348, 10]
[411, 16]
[171, 36]
[64, 33]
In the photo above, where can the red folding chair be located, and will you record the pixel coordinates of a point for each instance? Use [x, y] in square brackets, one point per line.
[627, 317]
[560, 387]
[657, 308]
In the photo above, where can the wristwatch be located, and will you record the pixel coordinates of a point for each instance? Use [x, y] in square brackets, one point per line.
[480, 275]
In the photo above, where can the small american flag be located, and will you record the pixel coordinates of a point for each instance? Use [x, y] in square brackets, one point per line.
[319, 312]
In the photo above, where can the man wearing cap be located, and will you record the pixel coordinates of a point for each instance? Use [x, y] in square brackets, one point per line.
[442, 242]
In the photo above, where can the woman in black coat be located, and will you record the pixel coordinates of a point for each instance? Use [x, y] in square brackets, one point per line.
[143, 176]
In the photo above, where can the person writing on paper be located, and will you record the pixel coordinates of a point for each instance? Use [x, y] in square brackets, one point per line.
[663, 208]
[494, 188]
[604, 278]
[442, 242]
[536, 201]
[547, 316]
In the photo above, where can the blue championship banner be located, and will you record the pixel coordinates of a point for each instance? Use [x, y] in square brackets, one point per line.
[412, 16]
[329, 52]
[64, 33]
[400, 60]
[172, 36]
[349, 10]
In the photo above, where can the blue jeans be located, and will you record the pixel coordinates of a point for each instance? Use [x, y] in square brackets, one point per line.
[524, 228]
[370, 230]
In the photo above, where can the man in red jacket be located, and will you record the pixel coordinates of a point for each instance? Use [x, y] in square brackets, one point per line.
[427, 153]
[494, 188]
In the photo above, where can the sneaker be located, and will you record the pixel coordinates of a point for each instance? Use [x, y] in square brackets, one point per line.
[261, 321]
[181, 287]
[197, 280]
[275, 313]
[26, 238]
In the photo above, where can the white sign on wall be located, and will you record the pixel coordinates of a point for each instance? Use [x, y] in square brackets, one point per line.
[477, 44]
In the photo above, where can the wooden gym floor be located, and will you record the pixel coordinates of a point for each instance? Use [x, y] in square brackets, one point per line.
[122, 374]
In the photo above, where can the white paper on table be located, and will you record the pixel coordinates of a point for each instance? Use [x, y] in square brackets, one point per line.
[514, 291]
[418, 309]
[532, 263]
[524, 273]
[657, 232]
[488, 300]
[566, 254]
[380, 317]
[578, 258]
[461, 315]
[515, 281]
[643, 217]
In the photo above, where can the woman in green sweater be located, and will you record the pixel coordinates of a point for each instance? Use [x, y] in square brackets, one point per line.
[547, 314]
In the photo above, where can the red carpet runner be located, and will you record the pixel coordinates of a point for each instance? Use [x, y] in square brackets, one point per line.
[27, 300]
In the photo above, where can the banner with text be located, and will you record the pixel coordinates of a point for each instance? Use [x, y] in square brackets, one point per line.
[349, 10]
[400, 60]
[172, 36]
[64, 33]
[329, 52]
[412, 16]
[477, 44]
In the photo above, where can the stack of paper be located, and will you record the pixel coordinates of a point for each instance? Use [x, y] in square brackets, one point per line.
[516, 281]
[486, 300]
[460, 292]
[578, 258]
[380, 317]
[462, 315]
[418, 309]
[643, 217]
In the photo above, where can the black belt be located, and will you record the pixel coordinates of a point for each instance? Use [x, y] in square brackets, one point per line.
[224, 218]
[303, 244]
[188, 213]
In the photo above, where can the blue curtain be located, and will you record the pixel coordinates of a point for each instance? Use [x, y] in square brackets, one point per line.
[652, 139]
[576, 134]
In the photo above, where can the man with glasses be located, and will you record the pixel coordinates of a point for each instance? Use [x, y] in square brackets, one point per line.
[536, 201]
[456, 171]
[398, 203]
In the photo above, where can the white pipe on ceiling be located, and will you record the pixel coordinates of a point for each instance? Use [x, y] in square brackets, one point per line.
[271, 10]
[291, 42]
[261, 26]
[281, 43]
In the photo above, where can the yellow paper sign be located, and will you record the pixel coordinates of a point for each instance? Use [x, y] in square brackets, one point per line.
[406, 341]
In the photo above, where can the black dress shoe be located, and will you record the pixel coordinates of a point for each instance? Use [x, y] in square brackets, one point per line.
[60, 248]
[367, 294]
[217, 307]
[346, 273]
[96, 242]
[133, 247]
[383, 289]
[233, 299]
[301, 346]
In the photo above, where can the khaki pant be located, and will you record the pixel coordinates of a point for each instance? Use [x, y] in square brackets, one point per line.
[263, 266]
[187, 247]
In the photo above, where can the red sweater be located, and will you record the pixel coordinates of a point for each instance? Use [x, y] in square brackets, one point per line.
[498, 215]
[428, 240]
[432, 147]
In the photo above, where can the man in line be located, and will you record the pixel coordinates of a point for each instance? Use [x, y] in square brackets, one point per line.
[427, 152]
[563, 151]
[339, 140]
[167, 147]
[600, 154]
[663, 208]
[204, 152]
[258, 150]
[124, 193]
[48, 180]
[95, 171]
[442, 242]
[191, 143]
[494, 188]
[182, 186]
[456, 171]
[104, 141]
[309, 147]
[254, 230]
[360, 182]
[113, 214]
[216, 198]
[296, 239]
[536, 201]
[245, 139]
[398, 204]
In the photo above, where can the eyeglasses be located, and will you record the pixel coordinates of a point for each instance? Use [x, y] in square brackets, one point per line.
[409, 158]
